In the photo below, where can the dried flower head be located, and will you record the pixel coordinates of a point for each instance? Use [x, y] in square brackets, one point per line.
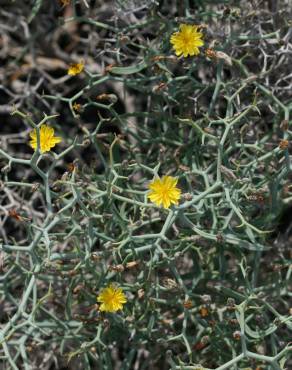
[187, 40]
[211, 53]
[164, 191]
[75, 68]
[111, 98]
[71, 167]
[188, 304]
[198, 347]
[76, 107]
[117, 268]
[141, 293]
[111, 298]
[284, 125]
[14, 214]
[204, 311]
[132, 264]
[47, 138]
[109, 67]
[283, 144]
[236, 335]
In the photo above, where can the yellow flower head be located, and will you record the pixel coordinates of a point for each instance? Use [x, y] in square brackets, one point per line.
[187, 40]
[111, 298]
[47, 138]
[164, 191]
[75, 68]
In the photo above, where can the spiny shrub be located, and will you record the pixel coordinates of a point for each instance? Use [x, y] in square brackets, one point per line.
[145, 185]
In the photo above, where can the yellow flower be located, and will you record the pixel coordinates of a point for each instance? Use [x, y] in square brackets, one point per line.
[112, 299]
[47, 138]
[75, 68]
[164, 191]
[187, 40]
